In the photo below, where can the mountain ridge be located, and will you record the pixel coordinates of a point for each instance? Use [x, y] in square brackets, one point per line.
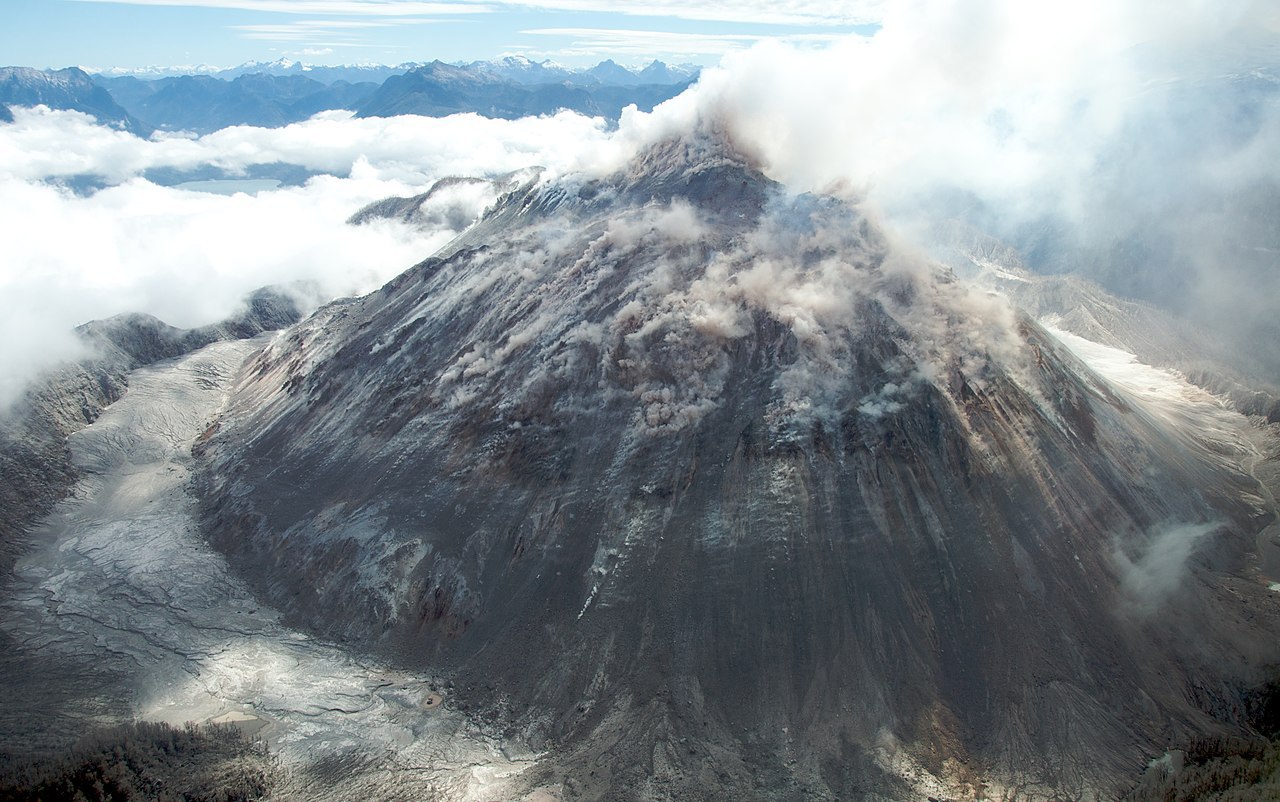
[204, 104]
[283, 92]
[515, 67]
[70, 88]
[439, 89]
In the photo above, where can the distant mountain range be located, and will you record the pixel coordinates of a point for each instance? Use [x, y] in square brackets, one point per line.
[352, 73]
[71, 88]
[606, 73]
[514, 68]
[438, 89]
[203, 103]
[277, 93]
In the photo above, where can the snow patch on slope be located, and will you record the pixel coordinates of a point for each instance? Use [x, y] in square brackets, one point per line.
[1166, 394]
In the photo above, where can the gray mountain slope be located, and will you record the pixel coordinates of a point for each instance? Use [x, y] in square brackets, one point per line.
[708, 493]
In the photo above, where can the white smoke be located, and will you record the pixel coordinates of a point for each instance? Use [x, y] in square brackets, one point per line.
[1010, 100]
[1150, 578]
[1134, 144]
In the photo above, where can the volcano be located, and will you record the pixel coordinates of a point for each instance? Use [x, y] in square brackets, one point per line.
[705, 490]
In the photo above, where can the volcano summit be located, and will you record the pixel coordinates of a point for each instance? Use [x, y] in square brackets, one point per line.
[704, 490]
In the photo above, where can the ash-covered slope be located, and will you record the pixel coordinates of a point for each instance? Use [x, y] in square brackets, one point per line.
[708, 492]
[34, 460]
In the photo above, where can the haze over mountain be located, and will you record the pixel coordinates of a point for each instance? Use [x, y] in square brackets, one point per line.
[325, 74]
[514, 68]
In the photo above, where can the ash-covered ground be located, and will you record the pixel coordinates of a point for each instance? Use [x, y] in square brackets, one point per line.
[120, 610]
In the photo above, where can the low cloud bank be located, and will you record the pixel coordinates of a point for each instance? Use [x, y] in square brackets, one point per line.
[41, 144]
[188, 257]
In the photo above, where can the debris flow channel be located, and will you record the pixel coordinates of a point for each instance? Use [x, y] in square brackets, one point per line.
[119, 576]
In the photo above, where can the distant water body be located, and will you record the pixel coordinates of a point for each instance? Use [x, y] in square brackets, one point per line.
[230, 186]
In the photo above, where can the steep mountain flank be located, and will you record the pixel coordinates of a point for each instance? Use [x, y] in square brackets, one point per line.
[709, 491]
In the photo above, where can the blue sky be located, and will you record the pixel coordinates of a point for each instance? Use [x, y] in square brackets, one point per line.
[137, 33]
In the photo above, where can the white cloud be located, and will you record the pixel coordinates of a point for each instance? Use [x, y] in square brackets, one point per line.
[795, 12]
[1153, 576]
[999, 96]
[841, 13]
[347, 32]
[43, 144]
[189, 258]
[375, 8]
